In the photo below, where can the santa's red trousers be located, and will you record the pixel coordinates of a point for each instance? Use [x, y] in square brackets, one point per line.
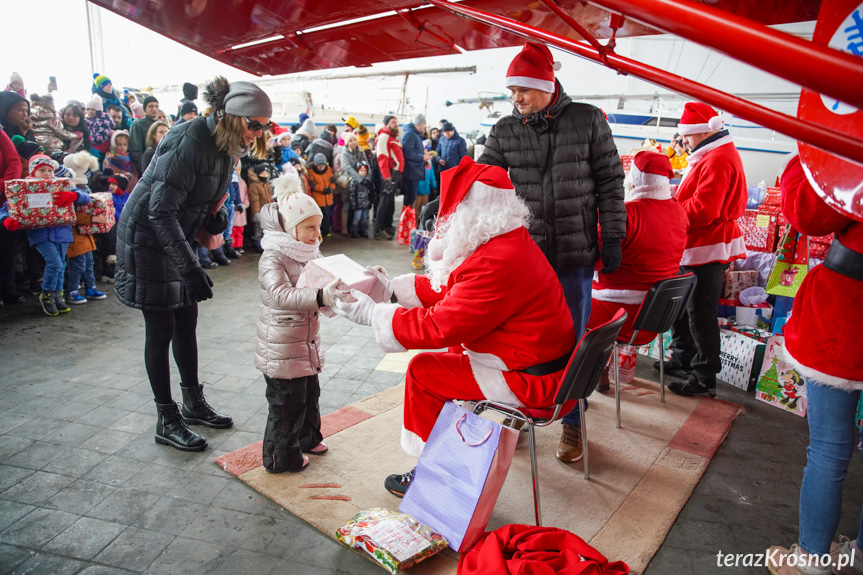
[434, 378]
[603, 311]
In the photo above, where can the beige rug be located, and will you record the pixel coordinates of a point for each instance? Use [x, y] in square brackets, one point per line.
[641, 475]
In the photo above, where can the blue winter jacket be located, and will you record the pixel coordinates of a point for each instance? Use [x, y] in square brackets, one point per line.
[412, 148]
[451, 150]
[59, 234]
[427, 183]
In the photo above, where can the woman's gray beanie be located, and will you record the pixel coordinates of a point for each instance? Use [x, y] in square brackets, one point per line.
[247, 99]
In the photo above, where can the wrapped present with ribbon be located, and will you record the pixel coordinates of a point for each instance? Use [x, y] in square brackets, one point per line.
[753, 332]
[320, 272]
[32, 203]
[759, 228]
[737, 281]
[101, 212]
[792, 264]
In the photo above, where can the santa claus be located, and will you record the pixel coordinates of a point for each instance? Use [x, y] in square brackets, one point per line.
[490, 297]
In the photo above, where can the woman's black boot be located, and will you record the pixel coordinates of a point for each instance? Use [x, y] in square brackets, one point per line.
[172, 430]
[196, 410]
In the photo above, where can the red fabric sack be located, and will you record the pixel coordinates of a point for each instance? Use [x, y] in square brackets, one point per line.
[530, 550]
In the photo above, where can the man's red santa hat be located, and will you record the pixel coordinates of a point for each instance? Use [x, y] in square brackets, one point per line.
[699, 118]
[649, 176]
[533, 67]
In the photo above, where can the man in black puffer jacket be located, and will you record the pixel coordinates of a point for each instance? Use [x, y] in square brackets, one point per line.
[564, 163]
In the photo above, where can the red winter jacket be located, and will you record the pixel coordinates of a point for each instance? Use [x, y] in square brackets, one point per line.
[713, 193]
[389, 153]
[10, 164]
[820, 338]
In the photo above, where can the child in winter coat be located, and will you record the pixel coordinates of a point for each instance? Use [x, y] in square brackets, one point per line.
[119, 160]
[289, 349]
[361, 201]
[322, 186]
[425, 186]
[101, 127]
[260, 194]
[47, 127]
[240, 210]
[52, 243]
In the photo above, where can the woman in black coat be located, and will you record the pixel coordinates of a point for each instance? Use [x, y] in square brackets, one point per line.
[157, 264]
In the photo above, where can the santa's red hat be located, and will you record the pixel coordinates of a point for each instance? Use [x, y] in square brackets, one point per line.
[533, 67]
[698, 118]
[477, 182]
[649, 176]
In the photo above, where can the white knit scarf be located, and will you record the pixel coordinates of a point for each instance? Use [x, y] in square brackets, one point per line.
[290, 246]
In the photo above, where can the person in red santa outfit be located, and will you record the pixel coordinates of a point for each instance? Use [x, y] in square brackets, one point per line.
[490, 297]
[656, 227]
[713, 194]
[821, 346]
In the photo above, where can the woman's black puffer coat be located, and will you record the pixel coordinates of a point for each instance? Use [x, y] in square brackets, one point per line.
[564, 163]
[156, 232]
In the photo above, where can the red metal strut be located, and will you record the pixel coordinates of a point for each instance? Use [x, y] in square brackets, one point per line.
[809, 132]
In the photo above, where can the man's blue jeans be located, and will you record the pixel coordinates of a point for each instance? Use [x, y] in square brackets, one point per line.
[54, 254]
[832, 435]
[577, 287]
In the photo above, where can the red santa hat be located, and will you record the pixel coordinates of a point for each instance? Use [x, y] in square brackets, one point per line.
[478, 183]
[699, 118]
[649, 176]
[533, 67]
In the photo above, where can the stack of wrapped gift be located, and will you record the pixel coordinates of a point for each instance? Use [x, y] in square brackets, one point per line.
[101, 212]
[737, 281]
[31, 203]
[760, 229]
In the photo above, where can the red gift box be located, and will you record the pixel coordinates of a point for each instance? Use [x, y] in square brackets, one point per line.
[819, 246]
[773, 197]
[31, 203]
[101, 206]
[627, 163]
[760, 229]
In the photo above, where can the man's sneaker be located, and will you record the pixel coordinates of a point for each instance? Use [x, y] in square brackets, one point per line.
[75, 298]
[398, 484]
[673, 366]
[778, 562]
[693, 388]
[852, 557]
[382, 235]
[46, 298]
[60, 302]
[570, 448]
[93, 293]
[391, 231]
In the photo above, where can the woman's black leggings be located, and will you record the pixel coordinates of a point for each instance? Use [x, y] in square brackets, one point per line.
[177, 330]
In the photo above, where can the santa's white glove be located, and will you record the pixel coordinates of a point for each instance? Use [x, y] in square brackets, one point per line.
[331, 294]
[381, 274]
[360, 312]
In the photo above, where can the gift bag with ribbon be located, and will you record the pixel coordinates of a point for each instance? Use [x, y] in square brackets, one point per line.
[459, 475]
[792, 264]
[407, 222]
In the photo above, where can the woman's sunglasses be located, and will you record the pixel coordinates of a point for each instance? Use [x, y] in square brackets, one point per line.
[255, 125]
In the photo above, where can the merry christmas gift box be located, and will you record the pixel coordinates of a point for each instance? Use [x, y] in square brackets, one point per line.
[759, 228]
[101, 212]
[737, 281]
[779, 384]
[741, 358]
[320, 272]
[31, 203]
[753, 332]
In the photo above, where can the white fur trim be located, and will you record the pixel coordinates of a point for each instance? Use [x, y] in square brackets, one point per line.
[404, 287]
[382, 323]
[820, 377]
[487, 359]
[492, 383]
[660, 192]
[720, 252]
[411, 443]
[713, 124]
[528, 82]
[627, 296]
[556, 66]
[481, 194]
[695, 156]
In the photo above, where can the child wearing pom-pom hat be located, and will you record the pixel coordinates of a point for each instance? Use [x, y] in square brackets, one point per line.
[289, 351]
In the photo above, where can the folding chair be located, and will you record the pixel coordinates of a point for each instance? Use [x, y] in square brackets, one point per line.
[662, 306]
[579, 380]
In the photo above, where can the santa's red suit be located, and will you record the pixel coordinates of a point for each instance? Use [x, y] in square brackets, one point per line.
[656, 227]
[713, 193]
[820, 338]
[502, 310]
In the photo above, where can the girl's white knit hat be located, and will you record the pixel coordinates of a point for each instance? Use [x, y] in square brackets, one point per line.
[294, 205]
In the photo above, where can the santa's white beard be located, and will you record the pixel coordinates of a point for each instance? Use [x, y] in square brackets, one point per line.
[469, 227]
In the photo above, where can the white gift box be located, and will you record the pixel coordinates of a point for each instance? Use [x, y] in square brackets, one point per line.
[320, 272]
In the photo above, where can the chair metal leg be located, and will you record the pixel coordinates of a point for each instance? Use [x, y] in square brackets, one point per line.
[534, 474]
[616, 359]
[661, 370]
[583, 439]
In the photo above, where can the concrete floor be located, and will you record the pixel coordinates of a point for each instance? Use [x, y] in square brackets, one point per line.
[84, 489]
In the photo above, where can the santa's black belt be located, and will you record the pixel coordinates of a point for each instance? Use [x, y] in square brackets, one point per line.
[549, 367]
[843, 260]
